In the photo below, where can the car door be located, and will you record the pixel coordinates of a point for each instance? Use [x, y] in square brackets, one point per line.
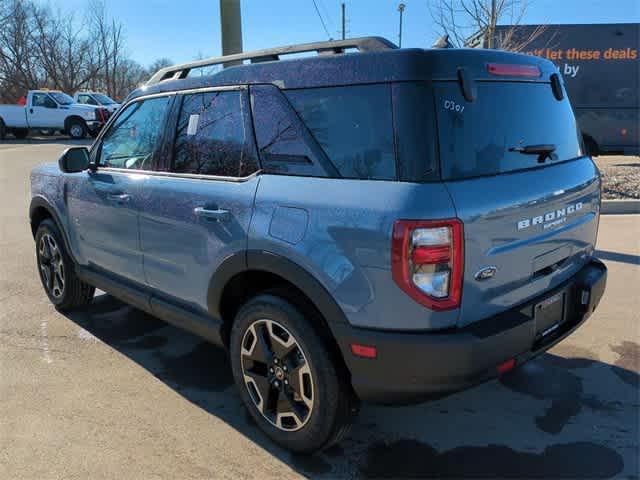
[104, 204]
[197, 213]
[43, 111]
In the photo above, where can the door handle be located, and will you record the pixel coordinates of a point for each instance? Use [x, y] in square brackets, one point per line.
[214, 214]
[120, 198]
[31, 110]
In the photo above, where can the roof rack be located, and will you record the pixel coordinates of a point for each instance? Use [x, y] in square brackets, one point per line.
[363, 44]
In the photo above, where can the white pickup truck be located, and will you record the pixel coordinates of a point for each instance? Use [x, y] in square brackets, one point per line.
[97, 99]
[51, 110]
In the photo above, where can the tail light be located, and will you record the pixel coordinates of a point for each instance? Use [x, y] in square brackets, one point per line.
[427, 261]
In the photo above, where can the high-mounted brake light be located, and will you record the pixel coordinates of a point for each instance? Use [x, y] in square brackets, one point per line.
[513, 70]
[427, 261]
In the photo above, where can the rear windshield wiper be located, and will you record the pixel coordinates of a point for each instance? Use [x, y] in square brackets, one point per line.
[543, 151]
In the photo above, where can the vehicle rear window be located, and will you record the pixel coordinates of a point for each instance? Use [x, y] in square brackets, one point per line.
[353, 125]
[476, 137]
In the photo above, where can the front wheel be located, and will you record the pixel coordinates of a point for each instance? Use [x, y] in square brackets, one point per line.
[77, 129]
[60, 282]
[291, 383]
[3, 130]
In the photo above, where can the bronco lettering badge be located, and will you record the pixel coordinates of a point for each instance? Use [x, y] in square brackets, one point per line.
[550, 219]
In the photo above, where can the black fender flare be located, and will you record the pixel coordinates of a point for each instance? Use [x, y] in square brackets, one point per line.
[40, 202]
[260, 260]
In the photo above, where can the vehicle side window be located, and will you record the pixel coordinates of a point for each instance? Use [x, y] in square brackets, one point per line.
[213, 136]
[43, 100]
[353, 125]
[133, 138]
[87, 100]
[285, 145]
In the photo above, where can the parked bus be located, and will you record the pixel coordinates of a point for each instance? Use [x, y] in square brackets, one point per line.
[601, 69]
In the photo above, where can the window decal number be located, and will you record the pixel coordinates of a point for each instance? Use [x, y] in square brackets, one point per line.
[453, 106]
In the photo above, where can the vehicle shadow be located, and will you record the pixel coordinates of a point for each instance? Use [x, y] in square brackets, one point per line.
[44, 140]
[618, 257]
[513, 428]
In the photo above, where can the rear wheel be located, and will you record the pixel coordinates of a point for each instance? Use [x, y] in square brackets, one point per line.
[3, 130]
[77, 129]
[591, 146]
[20, 133]
[286, 376]
[63, 287]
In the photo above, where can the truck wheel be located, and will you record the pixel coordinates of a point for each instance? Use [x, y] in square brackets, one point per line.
[64, 289]
[287, 378]
[20, 133]
[77, 129]
[3, 130]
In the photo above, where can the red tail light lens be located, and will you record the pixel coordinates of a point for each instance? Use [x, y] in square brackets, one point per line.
[364, 351]
[427, 261]
[513, 70]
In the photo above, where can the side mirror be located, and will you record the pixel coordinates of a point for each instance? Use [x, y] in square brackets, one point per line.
[74, 159]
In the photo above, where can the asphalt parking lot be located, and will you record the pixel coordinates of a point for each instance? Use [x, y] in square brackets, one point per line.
[112, 393]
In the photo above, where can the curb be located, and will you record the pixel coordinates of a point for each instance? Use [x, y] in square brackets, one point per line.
[620, 207]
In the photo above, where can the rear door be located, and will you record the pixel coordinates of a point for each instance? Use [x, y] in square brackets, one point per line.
[197, 211]
[530, 219]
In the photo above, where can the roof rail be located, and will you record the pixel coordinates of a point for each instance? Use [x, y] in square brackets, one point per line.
[363, 44]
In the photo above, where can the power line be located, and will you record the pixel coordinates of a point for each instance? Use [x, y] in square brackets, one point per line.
[326, 13]
[321, 19]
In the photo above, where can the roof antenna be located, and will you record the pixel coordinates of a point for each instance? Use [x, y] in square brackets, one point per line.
[443, 42]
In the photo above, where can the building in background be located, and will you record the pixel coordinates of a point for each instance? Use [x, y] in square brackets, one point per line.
[601, 68]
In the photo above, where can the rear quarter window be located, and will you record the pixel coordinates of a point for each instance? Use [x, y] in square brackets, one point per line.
[353, 125]
[475, 137]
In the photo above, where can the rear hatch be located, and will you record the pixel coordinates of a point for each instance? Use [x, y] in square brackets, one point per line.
[513, 163]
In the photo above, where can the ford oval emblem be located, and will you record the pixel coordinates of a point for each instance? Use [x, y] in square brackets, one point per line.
[486, 273]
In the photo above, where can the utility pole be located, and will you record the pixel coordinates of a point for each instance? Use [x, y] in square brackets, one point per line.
[400, 9]
[343, 29]
[230, 28]
[493, 20]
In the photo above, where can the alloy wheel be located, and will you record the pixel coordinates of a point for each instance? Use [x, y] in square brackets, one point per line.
[76, 131]
[51, 265]
[277, 375]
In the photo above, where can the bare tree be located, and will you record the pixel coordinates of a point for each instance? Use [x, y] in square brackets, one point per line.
[63, 49]
[109, 37]
[43, 47]
[19, 69]
[473, 23]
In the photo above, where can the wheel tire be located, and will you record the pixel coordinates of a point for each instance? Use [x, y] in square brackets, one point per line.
[20, 133]
[77, 129]
[3, 130]
[329, 417]
[591, 146]
[58, 268]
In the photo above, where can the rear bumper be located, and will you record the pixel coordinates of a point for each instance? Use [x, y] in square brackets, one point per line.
[412, 367]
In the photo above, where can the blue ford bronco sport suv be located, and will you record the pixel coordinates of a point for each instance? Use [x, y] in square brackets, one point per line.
[365, 224]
